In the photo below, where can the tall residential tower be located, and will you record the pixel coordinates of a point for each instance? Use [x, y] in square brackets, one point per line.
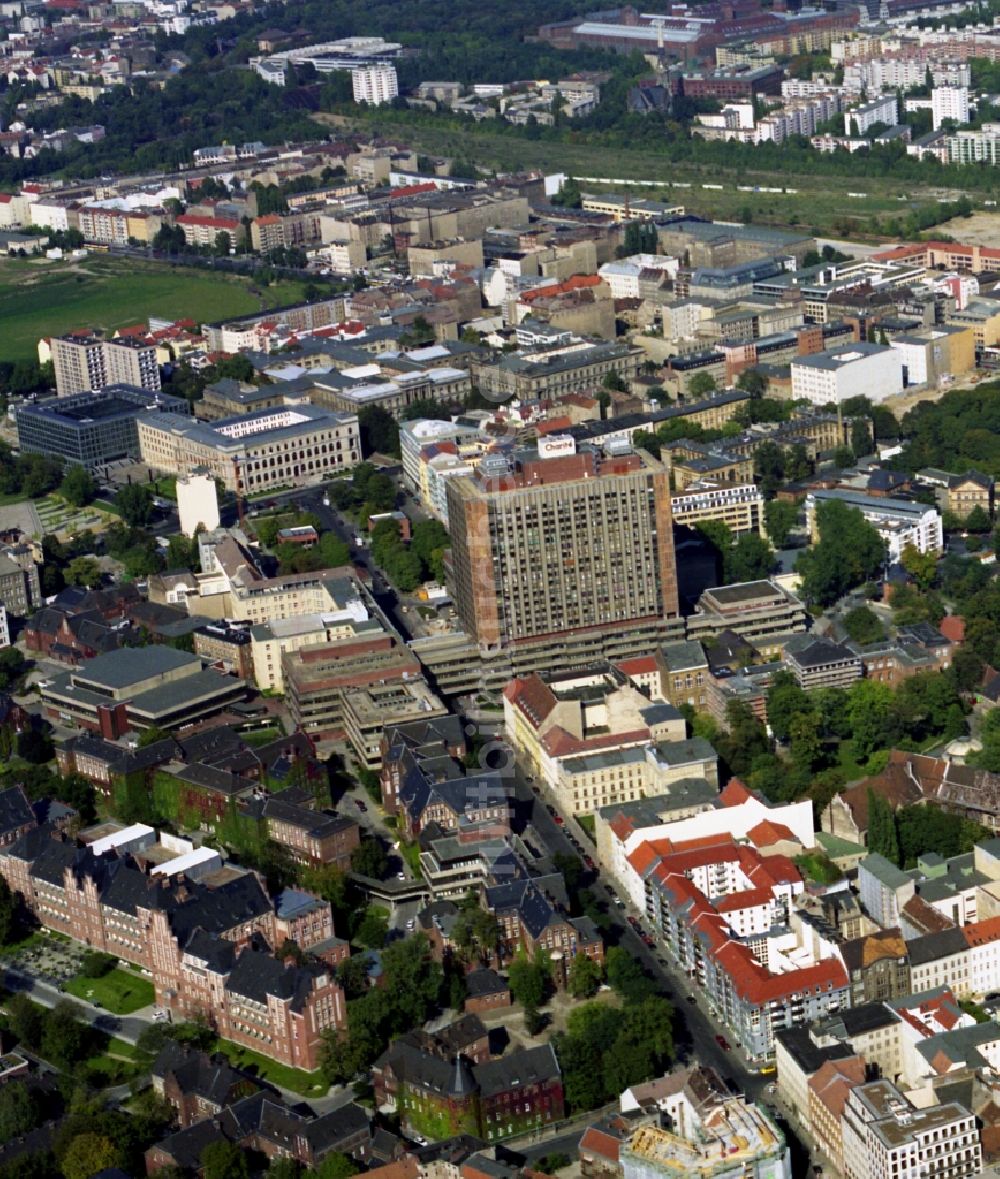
[555, 546]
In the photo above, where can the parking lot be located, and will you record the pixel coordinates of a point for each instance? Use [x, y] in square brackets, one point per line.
[46, 958]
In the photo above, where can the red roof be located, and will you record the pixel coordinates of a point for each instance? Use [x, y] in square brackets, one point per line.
[640, 665]
[211, 222]
[982, 932]
[532, 696]
[578, 282]
[553, 425]
[766, 833]
[413, 189]
[952, 626]
[597, 1142]
[734, 793]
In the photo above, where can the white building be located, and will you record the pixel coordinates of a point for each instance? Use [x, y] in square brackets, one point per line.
[730, 817]
[900, 522]
[197, 503]
[885, 1137]
[853, 370]
[623, 275]
[4, 627]
[949, 102]
[862, 118]
[375, 84]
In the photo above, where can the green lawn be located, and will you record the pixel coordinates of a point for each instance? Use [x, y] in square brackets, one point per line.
[119, 991]
[818, 867]
[39, 298]
[818, 200]
[308, 1084]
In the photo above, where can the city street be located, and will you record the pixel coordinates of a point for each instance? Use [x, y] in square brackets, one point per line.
[695, 1030]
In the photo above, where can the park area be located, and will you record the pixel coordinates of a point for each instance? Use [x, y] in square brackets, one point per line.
[41, 298]
[119, 991]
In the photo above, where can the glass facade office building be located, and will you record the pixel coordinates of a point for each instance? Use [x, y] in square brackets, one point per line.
[90, 428]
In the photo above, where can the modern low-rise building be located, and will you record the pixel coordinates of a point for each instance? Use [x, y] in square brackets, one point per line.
[854, 370]
[139, 688]
[91, 429]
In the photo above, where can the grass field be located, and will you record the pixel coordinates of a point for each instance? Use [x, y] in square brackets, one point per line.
[40, 298]
[308, 1084]
[820, 202]
[119, 991]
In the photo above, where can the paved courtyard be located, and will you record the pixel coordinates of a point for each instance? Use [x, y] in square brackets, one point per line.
[46, 958]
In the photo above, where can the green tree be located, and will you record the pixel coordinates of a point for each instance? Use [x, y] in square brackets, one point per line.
[528, 981]
[769, 467]
[476, 931]
[223, 244]
[584, 977]
[20, 1110]
[749, 559]
[780, 517]
[25, 1020]
[861, 438]
[89, 1153]
[64, 1035]
[429, 541]
[752, 381]
[224, 1160]
[135, 504]
[286, 1168]
[369, 859]
[870, 711]
[9, 923]
[863, 626]
[626, 976]
[702, 384]
[13, 665]
[849, 551]
[977, 521]
[336, 1166]
[922, 567]
[84, 571]
[373, 928]
[786, 700]
[151, 735]
[79, 487]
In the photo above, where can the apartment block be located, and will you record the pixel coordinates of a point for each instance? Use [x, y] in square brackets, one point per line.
[86, 363]
[559, 541]
[884, 1135]
[740, 507]
[899, 522]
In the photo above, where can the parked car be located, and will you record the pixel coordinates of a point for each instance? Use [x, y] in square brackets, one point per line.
[723, 1043]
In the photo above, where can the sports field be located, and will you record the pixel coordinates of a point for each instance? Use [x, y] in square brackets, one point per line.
[41, 298]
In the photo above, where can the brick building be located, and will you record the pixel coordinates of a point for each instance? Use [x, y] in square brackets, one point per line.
[203, 941]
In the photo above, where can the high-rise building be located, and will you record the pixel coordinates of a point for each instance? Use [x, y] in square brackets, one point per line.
[554, 544]
[79, 364]
[375, 84]
[86, 363]
[949, 102]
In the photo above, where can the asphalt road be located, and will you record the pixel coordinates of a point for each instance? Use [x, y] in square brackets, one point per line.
[310, 499]
[696, 1033]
